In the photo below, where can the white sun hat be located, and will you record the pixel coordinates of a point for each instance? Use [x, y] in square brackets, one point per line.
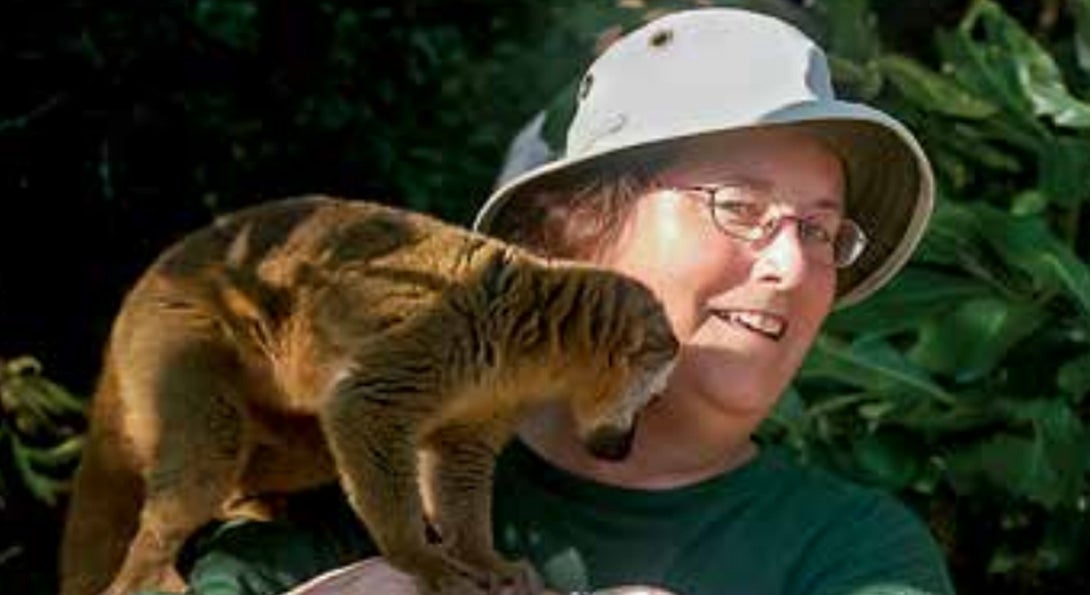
[709, 72]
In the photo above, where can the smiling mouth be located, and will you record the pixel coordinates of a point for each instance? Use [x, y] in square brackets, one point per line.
[767, 325]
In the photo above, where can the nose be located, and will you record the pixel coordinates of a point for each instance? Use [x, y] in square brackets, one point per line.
[781, 258]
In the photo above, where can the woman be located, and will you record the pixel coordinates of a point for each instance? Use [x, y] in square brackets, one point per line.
[709, 159]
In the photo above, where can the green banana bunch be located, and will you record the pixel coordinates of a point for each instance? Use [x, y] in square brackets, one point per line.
[39, 427]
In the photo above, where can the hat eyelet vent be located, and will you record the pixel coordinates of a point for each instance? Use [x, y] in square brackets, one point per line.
[661, 38]
[585, 85]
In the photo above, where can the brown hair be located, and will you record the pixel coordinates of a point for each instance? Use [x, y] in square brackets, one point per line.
[579, 214]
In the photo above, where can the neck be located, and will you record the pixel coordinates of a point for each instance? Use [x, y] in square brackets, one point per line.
[672, 447]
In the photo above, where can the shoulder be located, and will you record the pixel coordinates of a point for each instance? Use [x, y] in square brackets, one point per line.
[834, 496]
[853, 536]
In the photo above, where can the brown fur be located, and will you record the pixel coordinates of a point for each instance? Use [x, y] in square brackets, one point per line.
[311, 339]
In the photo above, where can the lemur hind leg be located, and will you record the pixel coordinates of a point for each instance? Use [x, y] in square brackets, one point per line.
[185, 379]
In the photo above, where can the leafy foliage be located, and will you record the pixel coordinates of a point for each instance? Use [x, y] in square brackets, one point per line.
[963, 384]
[41, 427]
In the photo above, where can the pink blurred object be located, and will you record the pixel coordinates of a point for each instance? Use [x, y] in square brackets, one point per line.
[374, 576]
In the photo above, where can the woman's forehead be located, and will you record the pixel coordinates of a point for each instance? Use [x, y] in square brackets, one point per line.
[791, 165]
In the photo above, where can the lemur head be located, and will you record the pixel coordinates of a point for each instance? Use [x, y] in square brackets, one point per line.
[630, 352]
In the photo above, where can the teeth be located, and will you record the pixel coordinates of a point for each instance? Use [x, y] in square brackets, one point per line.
[770, 326]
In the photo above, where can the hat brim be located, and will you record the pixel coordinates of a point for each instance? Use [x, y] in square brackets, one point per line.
[890, 185]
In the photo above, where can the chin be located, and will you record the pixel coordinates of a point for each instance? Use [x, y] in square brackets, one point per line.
[741, 402]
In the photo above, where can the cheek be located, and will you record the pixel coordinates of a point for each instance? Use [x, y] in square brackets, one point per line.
[694, 278]
[672, 248]
[744, 375]
[815, 301]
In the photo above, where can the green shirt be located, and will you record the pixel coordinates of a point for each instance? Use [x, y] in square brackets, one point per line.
[769, 527]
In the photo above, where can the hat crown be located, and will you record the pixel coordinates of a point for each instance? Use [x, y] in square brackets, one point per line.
[691, 72]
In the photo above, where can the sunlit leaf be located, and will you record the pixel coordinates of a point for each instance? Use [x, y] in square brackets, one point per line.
[853, 31]
[64, 453]
[933, 91]
[41, 485]
[1038, 76]
[983, 70]
[1081, 10]
[1029, 203]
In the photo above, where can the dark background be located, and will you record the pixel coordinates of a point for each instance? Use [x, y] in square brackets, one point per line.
[124, 125]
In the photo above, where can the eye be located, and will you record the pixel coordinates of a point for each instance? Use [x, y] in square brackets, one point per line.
[819, 229]
[734, 205]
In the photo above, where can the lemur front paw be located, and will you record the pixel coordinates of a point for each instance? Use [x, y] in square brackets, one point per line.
[514, 578]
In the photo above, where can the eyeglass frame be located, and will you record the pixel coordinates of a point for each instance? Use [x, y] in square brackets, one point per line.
[768, 227]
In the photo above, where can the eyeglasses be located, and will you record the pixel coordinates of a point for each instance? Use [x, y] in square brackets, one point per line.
[747, 212]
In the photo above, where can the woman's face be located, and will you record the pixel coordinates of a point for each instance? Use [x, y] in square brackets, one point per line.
[745, 312]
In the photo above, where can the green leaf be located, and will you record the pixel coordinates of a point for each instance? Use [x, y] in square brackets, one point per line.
[58, 455]
[888, 459]
[971, 412]
[1081, 10]
[953, 235]
[1029, 203]
[852, 30]
[1017, 255]
[971, 342]
[42, 486]
[1063, 435]
[789, 408]
[950, 167]
[986, 70]
[790, 418]
[1074, 377]
[932, 91]
[874, 365]
[970, 142]
[1063, 166]
[1017, 464]
[908, 301]
[860, 80]
[1027, 244]
[983, 70]
[1038, 76]
[1065, 110]
[232, 22]
[1046, 467]
[956, 237]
